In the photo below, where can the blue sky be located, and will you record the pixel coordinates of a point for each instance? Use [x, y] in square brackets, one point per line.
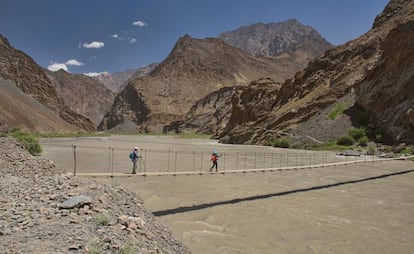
[92, 36]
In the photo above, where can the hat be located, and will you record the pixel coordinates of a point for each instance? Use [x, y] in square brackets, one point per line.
[135, 148]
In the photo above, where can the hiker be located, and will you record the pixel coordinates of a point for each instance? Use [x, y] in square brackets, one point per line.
[214, 159]
[134, 158]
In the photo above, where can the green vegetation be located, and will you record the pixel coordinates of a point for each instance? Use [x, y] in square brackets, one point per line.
[101, 219]
[283, 142]
[363, 141]
[357, 133]
[73, 134]
[94, 248]
[338, 110]
[28, 140]
[345, 140]
[407, 151]
[372, 150]
[128, 249]
[328, 146]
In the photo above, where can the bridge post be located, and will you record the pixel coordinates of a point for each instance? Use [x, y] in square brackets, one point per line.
[74, 159]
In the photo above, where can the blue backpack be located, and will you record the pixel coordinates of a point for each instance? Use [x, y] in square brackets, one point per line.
[131, 155]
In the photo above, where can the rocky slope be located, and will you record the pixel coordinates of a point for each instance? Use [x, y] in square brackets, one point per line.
[82, 94]
[227, 107]
[369, 75]
[193, 69]
[20, 109]
[291, 38]
[45, 210]
[30, 78]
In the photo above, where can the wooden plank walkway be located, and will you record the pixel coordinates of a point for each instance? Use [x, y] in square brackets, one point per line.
[188, 173]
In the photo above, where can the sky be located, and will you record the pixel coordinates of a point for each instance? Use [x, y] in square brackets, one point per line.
[95, 36]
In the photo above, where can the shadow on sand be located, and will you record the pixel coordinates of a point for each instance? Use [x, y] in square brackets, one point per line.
[238, 200]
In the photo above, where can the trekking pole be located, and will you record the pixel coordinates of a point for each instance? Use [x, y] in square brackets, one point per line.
[143, 164]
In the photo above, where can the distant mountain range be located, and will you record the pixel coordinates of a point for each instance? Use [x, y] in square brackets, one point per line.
[193, 69]
[196, 67]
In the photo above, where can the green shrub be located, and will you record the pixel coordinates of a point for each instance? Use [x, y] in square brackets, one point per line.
[371, 149]
[357, 133]
[338, 110]
[29, 141]
[363, 141]
[407, 151]
[283, 142]
[345, 140]
[101, 220]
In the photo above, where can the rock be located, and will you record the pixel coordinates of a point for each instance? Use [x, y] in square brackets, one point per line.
[77, 201]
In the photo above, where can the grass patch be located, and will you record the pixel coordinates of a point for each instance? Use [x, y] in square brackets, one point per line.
[101, 220]
[329, 146]
[28, 140]
[337, 111]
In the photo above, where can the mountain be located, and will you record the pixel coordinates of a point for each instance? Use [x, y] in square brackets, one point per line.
[226, 107]
[290, 38]
[21, 70]
[193, 69]
[82, 94]
[117, 81]
[369, 79]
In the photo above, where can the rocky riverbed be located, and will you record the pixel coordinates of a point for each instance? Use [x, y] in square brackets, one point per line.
[43, 209]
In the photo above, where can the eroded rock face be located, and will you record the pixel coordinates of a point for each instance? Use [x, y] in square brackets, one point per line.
[82, 94]
[30, 78]
[46, 210]
[387, 92]
[334, 78]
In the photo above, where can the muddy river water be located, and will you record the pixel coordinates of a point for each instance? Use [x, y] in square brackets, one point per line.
[358, 208]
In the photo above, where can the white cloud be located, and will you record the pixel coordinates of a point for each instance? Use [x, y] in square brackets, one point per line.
[94, 44]
[132, 40]
[114, 36]
[57, 66]
[74, 62]
[139, 23]
[94, 74]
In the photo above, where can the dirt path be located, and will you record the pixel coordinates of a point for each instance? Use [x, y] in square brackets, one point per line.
[363, 208]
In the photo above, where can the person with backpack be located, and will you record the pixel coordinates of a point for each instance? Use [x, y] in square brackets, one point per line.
[134, 158]
[214, 158]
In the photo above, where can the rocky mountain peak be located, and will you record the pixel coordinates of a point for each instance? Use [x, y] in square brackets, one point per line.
[274, 38]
